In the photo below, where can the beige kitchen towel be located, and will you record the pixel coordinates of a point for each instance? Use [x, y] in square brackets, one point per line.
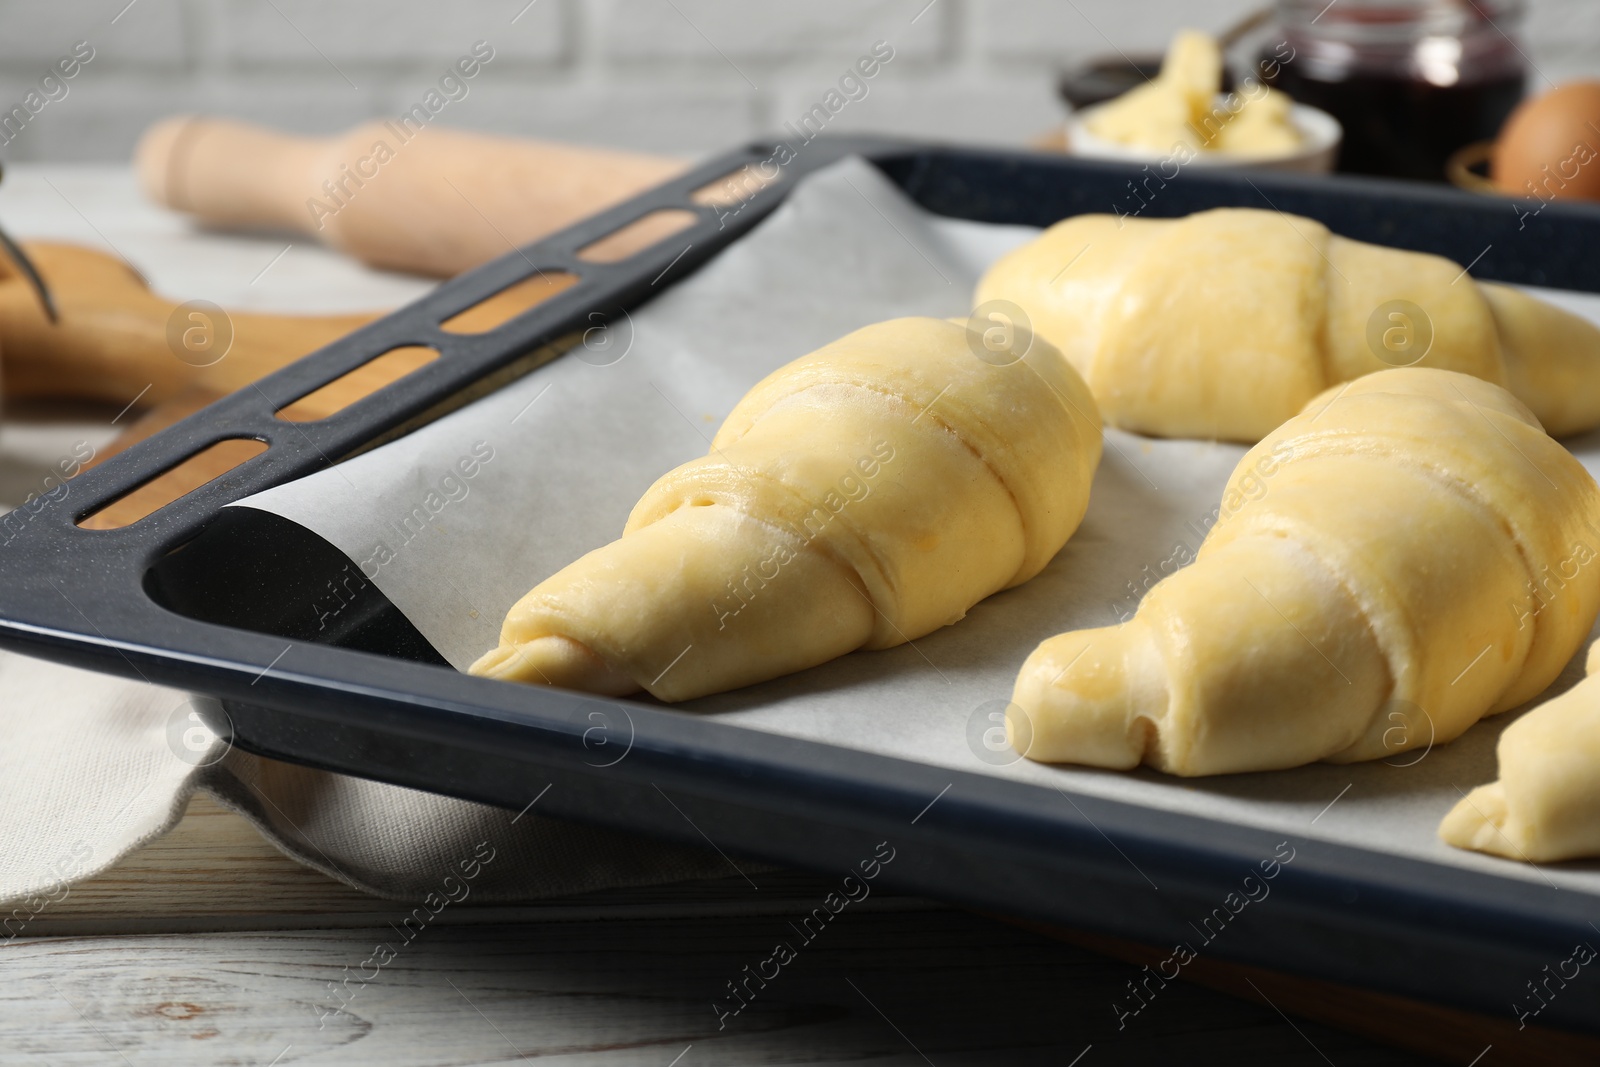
[93, 766]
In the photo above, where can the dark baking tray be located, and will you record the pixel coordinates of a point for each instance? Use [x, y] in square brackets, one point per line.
[220, 602]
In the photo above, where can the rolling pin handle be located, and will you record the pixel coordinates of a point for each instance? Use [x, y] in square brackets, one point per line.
[228, 173]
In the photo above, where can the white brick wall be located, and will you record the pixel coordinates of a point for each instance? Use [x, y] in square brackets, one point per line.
[665, 75]
[380, 38]
[1052, 30]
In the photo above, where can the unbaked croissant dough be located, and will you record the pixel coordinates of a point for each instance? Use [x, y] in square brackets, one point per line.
[1227, 322]
[1407, 555]
[1546, 805]
[859, 497]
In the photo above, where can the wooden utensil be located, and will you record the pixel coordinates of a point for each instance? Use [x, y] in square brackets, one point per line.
[116, 341]
[435, 201]
[111, 340]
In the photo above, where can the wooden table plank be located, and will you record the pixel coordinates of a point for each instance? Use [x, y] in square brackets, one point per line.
[215, 873]
[906, 987]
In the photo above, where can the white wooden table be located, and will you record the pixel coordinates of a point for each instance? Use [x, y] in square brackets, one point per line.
[211, 947]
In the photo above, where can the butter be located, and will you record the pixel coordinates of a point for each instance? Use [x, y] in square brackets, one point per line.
[1192, 70]
[1261, 127]
[1151, 116]
[1180, 108]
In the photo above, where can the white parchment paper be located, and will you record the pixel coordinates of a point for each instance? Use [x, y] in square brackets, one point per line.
[456, 521]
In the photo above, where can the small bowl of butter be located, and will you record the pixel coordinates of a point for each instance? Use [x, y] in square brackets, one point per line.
[1181, 117]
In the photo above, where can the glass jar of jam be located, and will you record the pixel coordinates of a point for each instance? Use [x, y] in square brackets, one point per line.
[1411, 81]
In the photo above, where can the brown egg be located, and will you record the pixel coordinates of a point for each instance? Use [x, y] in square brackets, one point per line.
[1550, 146]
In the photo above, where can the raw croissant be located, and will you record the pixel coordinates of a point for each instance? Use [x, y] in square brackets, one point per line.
[1546, 805]
[1227, 322]
[1407, 555]
[859, 497]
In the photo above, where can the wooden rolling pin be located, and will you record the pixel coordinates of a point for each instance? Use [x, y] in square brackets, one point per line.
[434, 201]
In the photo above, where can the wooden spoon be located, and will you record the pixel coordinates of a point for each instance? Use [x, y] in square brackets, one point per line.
[115, 341]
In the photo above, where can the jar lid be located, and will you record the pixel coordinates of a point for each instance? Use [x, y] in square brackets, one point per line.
[1396, 21]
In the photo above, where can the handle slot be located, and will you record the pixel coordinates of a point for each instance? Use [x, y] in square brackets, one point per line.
[173, 483]
[358, 384]
[503, 306]
[643, 232]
